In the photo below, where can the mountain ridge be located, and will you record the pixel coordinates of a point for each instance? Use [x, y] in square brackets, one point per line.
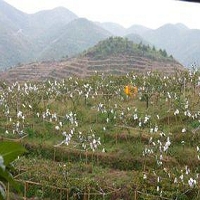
[34, 37]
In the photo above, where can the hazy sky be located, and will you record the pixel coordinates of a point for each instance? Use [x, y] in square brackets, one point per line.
[150, 13]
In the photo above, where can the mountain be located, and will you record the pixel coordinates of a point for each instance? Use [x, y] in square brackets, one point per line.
[43, 23]
[13, 45]
[24, 36]
[45, 35]
[11, 17]
[178, 40]
[137, 29]
[114, 55]
[73, 38]
[133, 33]
[118, 30]
[114, 28]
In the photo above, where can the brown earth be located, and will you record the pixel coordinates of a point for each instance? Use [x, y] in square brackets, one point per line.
[85, 66]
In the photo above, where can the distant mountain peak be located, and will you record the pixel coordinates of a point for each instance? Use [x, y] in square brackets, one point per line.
[60, 8]
[5, 8]
[11, 16]
[182, 26]
[178, 26]
[57, 9]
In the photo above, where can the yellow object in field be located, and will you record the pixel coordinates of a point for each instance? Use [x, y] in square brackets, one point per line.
[130, 90]
[127, 90]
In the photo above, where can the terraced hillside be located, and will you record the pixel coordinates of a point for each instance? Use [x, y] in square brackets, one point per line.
[112, 56]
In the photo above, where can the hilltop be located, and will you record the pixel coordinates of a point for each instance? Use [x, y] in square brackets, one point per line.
[123, 46]
[115, 55]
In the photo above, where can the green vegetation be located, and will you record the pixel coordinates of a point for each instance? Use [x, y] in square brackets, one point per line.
[118, 45]
[9, 151]
[87, 139]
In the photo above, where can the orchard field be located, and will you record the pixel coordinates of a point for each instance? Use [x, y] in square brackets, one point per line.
[87, 139]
